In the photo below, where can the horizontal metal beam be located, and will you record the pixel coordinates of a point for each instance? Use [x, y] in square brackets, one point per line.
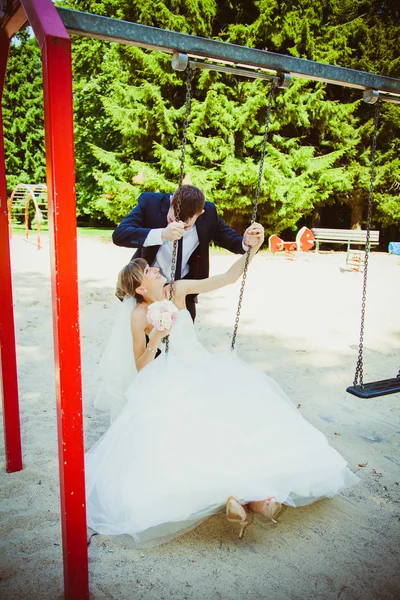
[152, 38]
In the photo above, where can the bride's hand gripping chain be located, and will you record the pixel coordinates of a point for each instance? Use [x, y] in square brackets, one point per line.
[253, 235]
[201, 286]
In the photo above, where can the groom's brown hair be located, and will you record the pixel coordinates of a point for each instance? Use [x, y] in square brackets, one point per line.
[191, 202]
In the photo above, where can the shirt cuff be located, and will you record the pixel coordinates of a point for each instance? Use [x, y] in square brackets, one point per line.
[245, 248]
[154, 238]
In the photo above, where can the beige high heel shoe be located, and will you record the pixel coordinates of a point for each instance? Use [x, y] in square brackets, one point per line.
[237, 513]
[269, 508]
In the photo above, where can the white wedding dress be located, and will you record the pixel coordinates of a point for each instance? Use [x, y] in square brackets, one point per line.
[197, 428]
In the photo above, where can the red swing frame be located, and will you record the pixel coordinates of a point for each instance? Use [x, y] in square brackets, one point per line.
[55, 45]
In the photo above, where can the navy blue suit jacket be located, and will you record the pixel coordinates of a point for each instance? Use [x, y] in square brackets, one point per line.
[151, 213]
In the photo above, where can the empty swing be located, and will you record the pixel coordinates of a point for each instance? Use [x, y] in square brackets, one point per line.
[384, 386]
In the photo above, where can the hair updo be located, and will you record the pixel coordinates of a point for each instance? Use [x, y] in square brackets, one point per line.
[129, 278]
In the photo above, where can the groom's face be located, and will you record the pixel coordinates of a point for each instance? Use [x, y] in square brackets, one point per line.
[188, 224]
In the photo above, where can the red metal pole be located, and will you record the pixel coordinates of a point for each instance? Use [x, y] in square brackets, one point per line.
[59, 136]
[8, 374]
[57, 84]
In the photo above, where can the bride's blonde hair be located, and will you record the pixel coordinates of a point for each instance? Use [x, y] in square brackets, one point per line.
[129, 278]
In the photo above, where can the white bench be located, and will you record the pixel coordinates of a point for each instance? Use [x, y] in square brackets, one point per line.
[343, 236]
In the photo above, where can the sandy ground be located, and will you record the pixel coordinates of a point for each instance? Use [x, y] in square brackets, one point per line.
[300, 324]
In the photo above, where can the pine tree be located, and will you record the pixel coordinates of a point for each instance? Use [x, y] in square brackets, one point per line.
[225, 139]
[126, 102]
[362, 35]
[23, 114]
[129, 107]
[372, 29]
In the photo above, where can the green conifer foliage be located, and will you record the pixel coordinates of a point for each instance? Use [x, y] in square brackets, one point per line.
[129, 108]
[23, 114]
[308, 131]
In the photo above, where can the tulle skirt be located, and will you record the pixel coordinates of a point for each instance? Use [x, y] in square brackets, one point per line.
[194, 433]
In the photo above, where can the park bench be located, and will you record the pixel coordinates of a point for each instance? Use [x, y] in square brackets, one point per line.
[343, 236]
[355, 258]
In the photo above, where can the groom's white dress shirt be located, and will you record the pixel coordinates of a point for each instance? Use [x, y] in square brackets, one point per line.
[164, 255]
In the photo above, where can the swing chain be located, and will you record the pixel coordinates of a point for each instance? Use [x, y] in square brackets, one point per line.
[263, 150]
[178, 194]
[254, 215]
[177, 203]
[185, 125]
[359, 375]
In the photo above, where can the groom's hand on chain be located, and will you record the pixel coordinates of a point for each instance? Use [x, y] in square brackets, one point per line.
[254, 235]
[173, 231]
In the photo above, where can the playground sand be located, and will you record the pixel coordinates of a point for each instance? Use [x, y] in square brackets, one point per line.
[300, 324]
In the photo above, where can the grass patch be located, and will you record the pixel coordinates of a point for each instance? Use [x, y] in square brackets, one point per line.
[104, 233]
[20, 228]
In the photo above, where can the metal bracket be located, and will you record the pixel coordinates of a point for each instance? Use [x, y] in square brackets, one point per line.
[179, 61]
[371, 96]
[284, 80]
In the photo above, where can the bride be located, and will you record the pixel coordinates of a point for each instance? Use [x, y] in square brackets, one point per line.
[188, 441]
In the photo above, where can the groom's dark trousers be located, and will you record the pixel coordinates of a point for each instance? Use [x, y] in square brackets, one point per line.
[151, 213]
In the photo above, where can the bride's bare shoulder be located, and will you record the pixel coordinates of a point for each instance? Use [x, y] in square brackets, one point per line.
[179, 296]
[138, 316]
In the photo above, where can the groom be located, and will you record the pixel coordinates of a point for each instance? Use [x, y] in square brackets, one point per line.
[151, 228]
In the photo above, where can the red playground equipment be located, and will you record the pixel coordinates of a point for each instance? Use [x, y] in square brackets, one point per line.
[55, 44]
[304, 241]
[21, 196]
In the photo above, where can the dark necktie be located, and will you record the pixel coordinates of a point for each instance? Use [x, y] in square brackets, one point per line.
[178, 270]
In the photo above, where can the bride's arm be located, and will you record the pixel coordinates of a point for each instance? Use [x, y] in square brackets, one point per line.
[200, 286]
[144, 354]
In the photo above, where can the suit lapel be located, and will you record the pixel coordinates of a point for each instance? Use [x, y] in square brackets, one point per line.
[200, 258]
[201, 227]
[164, 208]
[160, 220]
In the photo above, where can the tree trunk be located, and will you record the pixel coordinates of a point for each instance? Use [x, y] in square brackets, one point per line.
[316, 218]
[357, 209]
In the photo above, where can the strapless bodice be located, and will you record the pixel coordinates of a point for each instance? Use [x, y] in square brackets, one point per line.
[183, 340]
